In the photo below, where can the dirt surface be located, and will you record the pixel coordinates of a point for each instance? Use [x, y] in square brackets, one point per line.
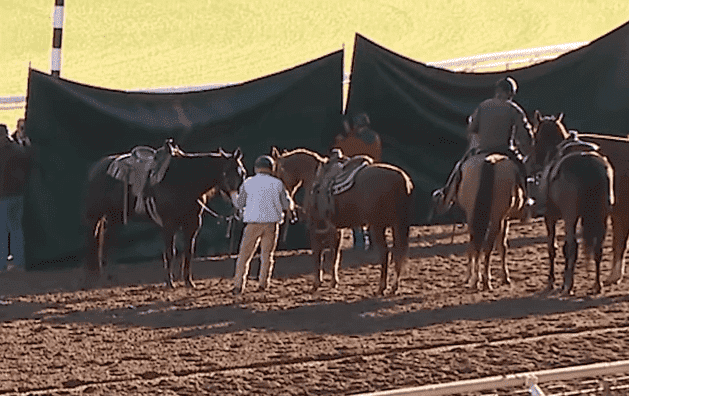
[134, 336]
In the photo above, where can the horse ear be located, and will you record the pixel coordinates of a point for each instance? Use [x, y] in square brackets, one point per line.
[238, 153]
[537, 115]
[275, 152]
[561, 117]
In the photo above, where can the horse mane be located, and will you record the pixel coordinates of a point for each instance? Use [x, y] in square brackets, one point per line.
[302, 150]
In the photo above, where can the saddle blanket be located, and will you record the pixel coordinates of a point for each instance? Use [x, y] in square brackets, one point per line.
[345, 180]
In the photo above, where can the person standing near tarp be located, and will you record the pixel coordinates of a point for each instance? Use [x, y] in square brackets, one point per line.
[264, 201]
[497, 125]
[14, 166]
[359, 139]
[19, 136]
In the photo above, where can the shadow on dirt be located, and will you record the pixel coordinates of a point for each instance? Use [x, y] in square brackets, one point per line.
[358, 318]
[289, 264]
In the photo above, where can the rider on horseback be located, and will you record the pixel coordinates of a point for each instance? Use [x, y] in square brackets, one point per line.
[496, 126]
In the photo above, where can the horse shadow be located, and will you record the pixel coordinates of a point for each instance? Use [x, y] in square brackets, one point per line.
[320, 317]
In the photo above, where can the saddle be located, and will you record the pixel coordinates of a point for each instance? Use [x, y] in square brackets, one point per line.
[143, 165]
[568, 148]
[335, 180]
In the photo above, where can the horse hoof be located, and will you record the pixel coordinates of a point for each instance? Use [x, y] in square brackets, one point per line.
[170, 284]
[507, 280]
[190, 284]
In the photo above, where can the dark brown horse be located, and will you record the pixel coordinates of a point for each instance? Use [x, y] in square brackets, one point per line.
[189, 179]
[381, 197]
[491, 193]
[578, 184]
[616, 149]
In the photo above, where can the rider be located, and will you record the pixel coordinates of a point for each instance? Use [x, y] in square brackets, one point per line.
[494, 127]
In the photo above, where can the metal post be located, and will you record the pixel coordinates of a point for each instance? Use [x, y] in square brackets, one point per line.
[57, 38]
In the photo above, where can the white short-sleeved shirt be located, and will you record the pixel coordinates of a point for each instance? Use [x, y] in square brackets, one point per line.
[262, 198]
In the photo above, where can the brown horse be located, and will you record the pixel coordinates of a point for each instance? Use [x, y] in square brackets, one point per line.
[491, 193]
[616, 149]
[381, 197]
[189, 178]
[578, 184]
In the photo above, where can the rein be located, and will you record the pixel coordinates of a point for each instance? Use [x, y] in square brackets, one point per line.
[227, 219]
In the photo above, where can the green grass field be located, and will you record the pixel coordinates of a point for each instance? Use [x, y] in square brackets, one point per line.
[157, 43]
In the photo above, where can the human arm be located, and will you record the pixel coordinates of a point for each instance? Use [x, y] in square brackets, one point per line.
[239, 199]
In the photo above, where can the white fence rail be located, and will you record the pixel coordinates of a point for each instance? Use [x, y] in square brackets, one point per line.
[512, 380]
[508, 58]
[467, 64]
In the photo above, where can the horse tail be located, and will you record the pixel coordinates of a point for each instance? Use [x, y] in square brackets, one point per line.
[481, 217]
[594, 199]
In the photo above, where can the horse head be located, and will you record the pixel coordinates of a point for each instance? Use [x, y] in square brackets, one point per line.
[233, 172]
[549, 131]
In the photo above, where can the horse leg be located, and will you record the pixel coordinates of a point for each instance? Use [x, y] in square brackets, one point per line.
[571, 249]
[189, 233]
[169, 256]
[318, 249]
[502, 246]
[620, 235]
[474, 264]
[94, 257]
[377, 234]
[597, 250]
[336, 250]
[551, 244]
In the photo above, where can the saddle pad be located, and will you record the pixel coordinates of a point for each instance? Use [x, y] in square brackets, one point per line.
[345, 180]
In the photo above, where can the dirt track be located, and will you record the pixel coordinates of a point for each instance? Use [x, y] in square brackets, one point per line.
[133, 336]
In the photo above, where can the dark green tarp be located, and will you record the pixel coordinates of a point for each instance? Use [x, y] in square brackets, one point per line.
[73, 125]
[420, 111]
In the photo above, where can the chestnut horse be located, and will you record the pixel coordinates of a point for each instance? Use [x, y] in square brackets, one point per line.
[616, 149]
[381, 197]
[189, 178]
[491, 192]
[578, 184]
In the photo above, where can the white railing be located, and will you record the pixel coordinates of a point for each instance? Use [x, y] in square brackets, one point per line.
[507, 58]
[12, 102]
[468, 64]
[513, 380]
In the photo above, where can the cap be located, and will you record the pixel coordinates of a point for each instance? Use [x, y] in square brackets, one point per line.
[264, 162]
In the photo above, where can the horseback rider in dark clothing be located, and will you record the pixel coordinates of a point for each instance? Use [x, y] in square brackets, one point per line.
[497, 125]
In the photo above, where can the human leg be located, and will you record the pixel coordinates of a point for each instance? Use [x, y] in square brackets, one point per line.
[15, 225]
[247, 247]
[269, 242]
[4, 231]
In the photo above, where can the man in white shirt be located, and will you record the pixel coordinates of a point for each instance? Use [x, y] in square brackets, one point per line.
[263, 201]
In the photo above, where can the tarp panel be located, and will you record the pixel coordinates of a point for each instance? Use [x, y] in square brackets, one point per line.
[73, 125]
[421, 111]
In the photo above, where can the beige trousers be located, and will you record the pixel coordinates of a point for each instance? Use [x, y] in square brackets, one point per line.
[254, 233]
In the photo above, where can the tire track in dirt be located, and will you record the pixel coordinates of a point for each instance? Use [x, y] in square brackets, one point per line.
[153, 379]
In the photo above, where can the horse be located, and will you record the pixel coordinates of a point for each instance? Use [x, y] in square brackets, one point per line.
[191, 178]
[616, 149]
[381, 197]
[491, 192]
[578, 185]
